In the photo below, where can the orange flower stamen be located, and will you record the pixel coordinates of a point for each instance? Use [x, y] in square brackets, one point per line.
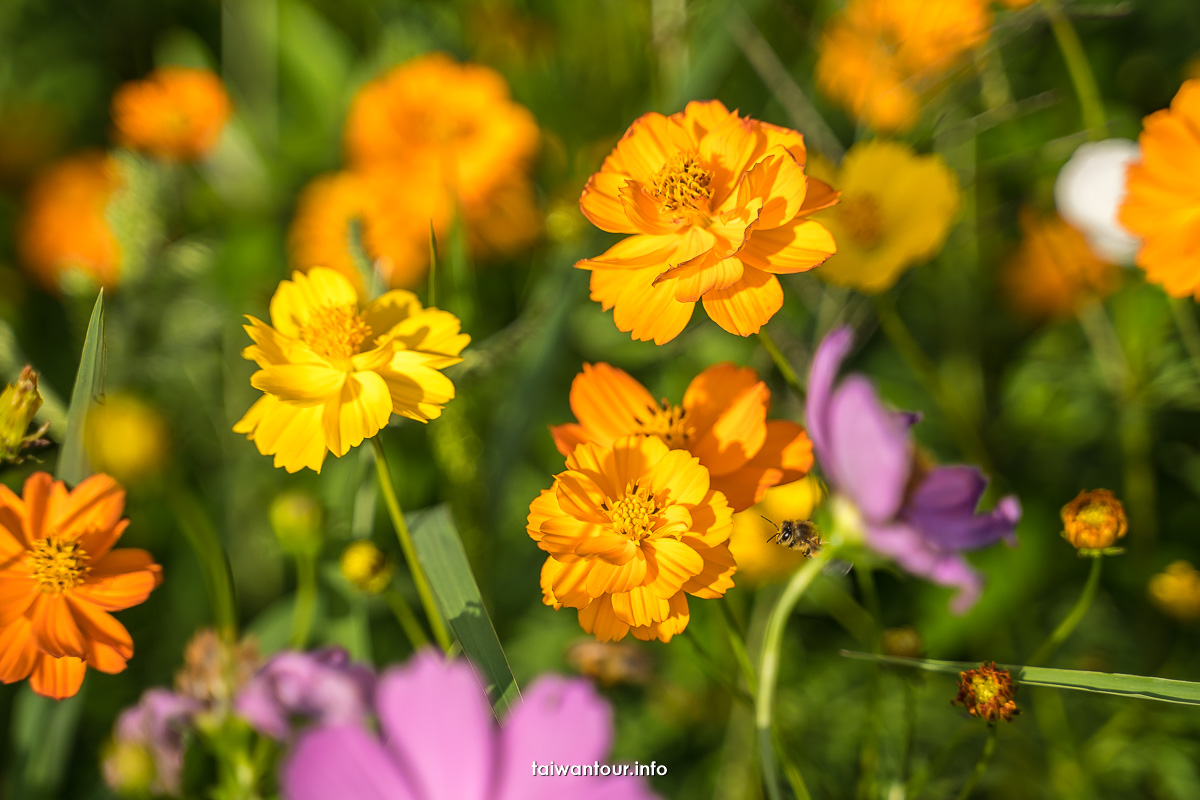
[335, 331]
[58, 565]
[633, 515]
[682, 184]
[669, 423]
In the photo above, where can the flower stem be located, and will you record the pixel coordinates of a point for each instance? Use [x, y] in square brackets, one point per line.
[1189, 331]
[1071, 621]
[738, 645]
[985, 758]
[407, 619]
[218, 579]
[781, 363]
[410, 553]
[768, 666]
[1082, 77]
[306, 599]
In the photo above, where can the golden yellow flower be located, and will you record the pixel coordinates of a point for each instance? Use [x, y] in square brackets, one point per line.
[176, 113]
[877, 55]
[1162, 205]
[333, 373]
[394, 223]
[632, 530]
[1176, 591]
[717, 206]
[64, 228]
[1054, 272]
[126, 438]
[456, 119]
[762, 561]
[1094, 520]
[895, 212]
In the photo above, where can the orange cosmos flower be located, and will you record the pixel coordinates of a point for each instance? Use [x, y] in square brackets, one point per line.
[333, 374]
[60, 578]
[176, 113]
[64, 228]
[717, 205]
[632, 530]
[1055, 271]
[1162, 204]
[395, 225]
[722, 422]
[458, 119]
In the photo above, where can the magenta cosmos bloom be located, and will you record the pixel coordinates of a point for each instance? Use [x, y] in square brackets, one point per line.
[323, 685]
[440, 742]
[922, 518]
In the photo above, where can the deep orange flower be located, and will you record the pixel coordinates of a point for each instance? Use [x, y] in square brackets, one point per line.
[718, 205]
[176, 113]
[1054, 271]
[632, 530]
[458, 119]
[1163, 201]
[722, 421]
[60, 578]
[1094, 520]
[395, 225]
[64, 228]
[987, 693]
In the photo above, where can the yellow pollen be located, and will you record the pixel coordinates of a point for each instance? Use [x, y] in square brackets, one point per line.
[1096, 515]
[58, 565]
[668, 423]
[633, 514]
[863, 218]
[335, 331]
[985, 689]
[682, 183]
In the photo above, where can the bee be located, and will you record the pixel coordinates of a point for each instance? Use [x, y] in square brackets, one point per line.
[798, 534]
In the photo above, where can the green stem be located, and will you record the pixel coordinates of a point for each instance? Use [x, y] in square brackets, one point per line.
[306, 600]
[407, 619]
[410, 554]
[1082, 77]
[985, 758]
[869, 749]
[1189, 331]
[1072, 620]
[218, 579]
[768, 666]
[781, 363]
[738, 646]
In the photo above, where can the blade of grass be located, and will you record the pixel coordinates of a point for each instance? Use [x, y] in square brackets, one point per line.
[433, 264]
[89, 387]
[1164, 690]
[445, 562]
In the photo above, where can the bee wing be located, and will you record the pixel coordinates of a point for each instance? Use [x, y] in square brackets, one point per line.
[837, 567]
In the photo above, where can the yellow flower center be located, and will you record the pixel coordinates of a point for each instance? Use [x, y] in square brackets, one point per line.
[668, 423]
[985, 689]
[335, 331]
[863, 218]
[1096, 515]
[58, 565]
[682, 183]
[633, 514]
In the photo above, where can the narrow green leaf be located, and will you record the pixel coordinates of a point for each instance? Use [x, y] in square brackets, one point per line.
[433, 264]
[1162, 689]
[89, 387]
[445, 562]
[358, 254]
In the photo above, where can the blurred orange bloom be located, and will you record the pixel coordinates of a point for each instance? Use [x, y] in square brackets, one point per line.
[877, 55]
[176, 113]
[1162, 204]
[632, 530]
[457, 119]
[760, 559]
[395, 225]
[722, 421]
[64, 227]
[1054, 272]
[60, 578]
[718, 205]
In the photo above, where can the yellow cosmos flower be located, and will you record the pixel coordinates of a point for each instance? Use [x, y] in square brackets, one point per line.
[632, 530]
[333, 374]
[718, 205]
[762, 561]
[895, 212]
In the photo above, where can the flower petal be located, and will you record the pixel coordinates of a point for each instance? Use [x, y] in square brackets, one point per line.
[716, 577]
[601, 202]
[362, 408]
[295, 300]
[793, 247]
[671, 564]
[640, 607]
[609, 403]
[18, 653]
[343, 761]
[738, 433]
[98, 625]
[826, 362]
[58, 678]
[637, 251]
[870, 454]
[599, 619]
[674, 622]
[55, 629]
[786, 456]
[747, 305]
[678, 479]
[292, 434]
[692, 280]
[17, 592]
[643, 309]
[121, 579]
[299, 384]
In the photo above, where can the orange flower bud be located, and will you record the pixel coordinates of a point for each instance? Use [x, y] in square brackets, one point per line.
[1094, 520]
[19, 402]
[987, 693]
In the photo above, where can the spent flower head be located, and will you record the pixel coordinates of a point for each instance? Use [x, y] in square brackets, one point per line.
[987, 693]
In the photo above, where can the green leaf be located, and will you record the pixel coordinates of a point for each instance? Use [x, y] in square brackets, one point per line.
[89, 387]
[433, 265]
[445, 563]
[1162, 689]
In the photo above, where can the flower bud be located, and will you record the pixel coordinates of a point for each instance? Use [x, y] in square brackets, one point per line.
[1094, 521]
[904, 642]
[19, 403]
[129, 768]
[366, 567]
[987, 693]
[126, 438]
[296, 520]
[1176, 591]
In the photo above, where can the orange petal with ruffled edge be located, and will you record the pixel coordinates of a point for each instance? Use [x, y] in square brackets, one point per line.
[795, 247]
[121, 579]
[671, 564]
[716, 577]
[609, 403]
[640, 607]
[786, 456]
[715, 389]
[599, 619]
[746, 306]
[672, 624]
[54, 627]
[601, 202]
[58, 678]
[18, 653]
[737, 435]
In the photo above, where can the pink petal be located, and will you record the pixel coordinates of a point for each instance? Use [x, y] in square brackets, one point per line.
[343, 761]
